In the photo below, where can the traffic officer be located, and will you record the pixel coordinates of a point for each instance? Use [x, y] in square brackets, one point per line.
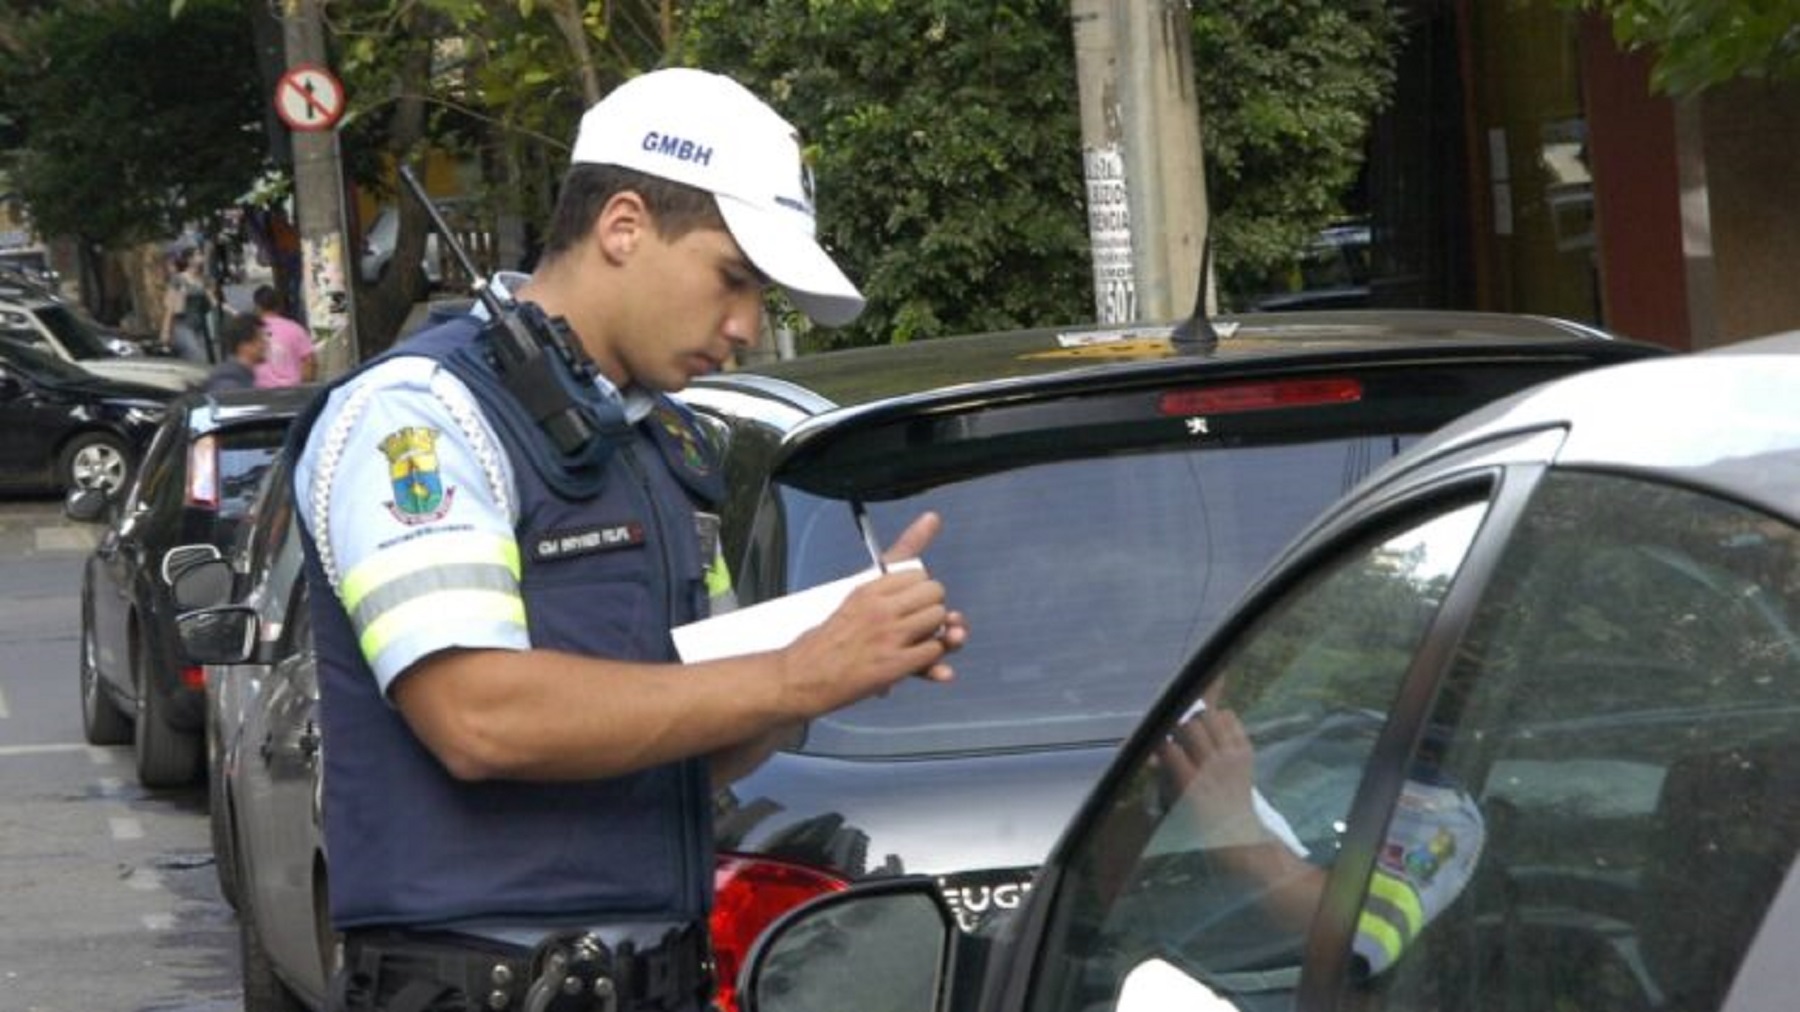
[518, 770]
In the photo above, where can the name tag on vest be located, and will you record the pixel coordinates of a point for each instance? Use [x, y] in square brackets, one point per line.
[586, 541]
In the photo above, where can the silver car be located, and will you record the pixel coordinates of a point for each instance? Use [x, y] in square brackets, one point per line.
[1526, 706]
[35, 316]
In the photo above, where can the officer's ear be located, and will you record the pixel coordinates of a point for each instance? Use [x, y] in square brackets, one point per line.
[621, 225]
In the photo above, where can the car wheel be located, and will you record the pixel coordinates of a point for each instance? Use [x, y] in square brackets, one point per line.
[101, 719]
[166, 756]
[263, 990]
[95, 460]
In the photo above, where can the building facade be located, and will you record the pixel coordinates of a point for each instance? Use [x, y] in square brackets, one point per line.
[1526, 166]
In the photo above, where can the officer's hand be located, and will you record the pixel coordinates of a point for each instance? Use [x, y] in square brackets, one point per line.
[1209, 764]
[954, 630]
[890, 628]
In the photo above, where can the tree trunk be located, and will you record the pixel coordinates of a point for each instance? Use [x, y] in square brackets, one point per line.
[383, 306]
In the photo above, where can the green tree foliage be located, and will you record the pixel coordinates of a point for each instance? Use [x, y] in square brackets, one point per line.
[497, 84]
[948, 143]
[944, 134]
[1701, 43]
[1287, 90]
[946, 150]
[131, 123]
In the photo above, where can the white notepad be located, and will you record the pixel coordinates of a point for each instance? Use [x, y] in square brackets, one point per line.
[771, 624]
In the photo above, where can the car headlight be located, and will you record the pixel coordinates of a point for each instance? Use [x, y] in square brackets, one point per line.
[121, 347]
[145, 412]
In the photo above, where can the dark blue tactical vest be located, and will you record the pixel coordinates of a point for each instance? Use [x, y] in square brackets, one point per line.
[409, 844]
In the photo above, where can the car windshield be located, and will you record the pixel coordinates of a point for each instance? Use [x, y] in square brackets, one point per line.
[39, 364]
[76, 334]
[1086, 581]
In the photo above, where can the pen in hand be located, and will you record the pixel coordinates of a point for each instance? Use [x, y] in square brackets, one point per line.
[868, 533]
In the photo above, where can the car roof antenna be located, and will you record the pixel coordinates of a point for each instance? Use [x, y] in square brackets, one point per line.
[1196, 334]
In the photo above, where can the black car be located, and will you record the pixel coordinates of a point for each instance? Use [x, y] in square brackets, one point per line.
[67, 428]
[1527, 704]
[1106, 495]
[196, 482]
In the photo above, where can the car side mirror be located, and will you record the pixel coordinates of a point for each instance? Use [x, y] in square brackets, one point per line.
[181, 557]
[887, 942]
[202, 583]
[218, 635]
[86, 505]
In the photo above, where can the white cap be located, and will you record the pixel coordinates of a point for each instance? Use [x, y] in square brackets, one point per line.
[709, 132]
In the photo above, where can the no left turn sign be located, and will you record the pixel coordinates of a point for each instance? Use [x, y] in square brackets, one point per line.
[309, 98]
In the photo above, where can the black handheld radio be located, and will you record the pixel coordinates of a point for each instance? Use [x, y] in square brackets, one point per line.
[540, 362]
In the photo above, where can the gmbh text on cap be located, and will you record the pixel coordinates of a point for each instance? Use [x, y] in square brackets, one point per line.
[709, 132]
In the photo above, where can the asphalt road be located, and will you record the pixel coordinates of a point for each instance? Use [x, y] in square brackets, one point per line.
[110, 900]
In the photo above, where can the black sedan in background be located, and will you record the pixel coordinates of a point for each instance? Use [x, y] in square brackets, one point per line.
[67, 428]
[196, 482]
[1515, 726]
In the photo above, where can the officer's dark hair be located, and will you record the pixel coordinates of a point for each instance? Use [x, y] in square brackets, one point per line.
[239, 330]
[675, 208]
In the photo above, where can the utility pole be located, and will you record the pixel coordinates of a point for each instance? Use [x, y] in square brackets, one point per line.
[319, 208]
[1141, 155]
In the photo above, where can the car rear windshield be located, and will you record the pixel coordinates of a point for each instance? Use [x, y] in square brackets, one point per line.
[1086, 581]
[244, 458]
[244, 455]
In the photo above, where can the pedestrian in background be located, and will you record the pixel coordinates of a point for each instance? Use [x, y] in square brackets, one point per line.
[186, 306]
[290, 360]
[517, 763]
[245, 348]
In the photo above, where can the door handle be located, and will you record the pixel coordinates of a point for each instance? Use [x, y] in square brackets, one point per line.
[308, 741]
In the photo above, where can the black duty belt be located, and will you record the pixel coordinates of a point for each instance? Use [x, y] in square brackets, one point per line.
[572, 971]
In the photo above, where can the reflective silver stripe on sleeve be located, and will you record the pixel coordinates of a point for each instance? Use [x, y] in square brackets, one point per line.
[423, 582]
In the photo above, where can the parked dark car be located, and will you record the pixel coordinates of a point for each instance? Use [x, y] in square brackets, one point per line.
[1557, 644]
[67, 428]
[193, 489]
[1333, 272]
[1106, 496]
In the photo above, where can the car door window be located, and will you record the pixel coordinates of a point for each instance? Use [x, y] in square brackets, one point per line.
[155, 473]
[1626, 708]
[1219, 875]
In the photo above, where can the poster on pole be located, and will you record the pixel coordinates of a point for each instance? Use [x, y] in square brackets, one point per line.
[1109, 233]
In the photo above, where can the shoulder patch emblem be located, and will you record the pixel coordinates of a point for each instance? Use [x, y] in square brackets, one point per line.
[419, 493]
[677, 430]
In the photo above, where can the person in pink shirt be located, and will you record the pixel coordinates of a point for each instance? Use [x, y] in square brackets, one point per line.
[290, 359]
